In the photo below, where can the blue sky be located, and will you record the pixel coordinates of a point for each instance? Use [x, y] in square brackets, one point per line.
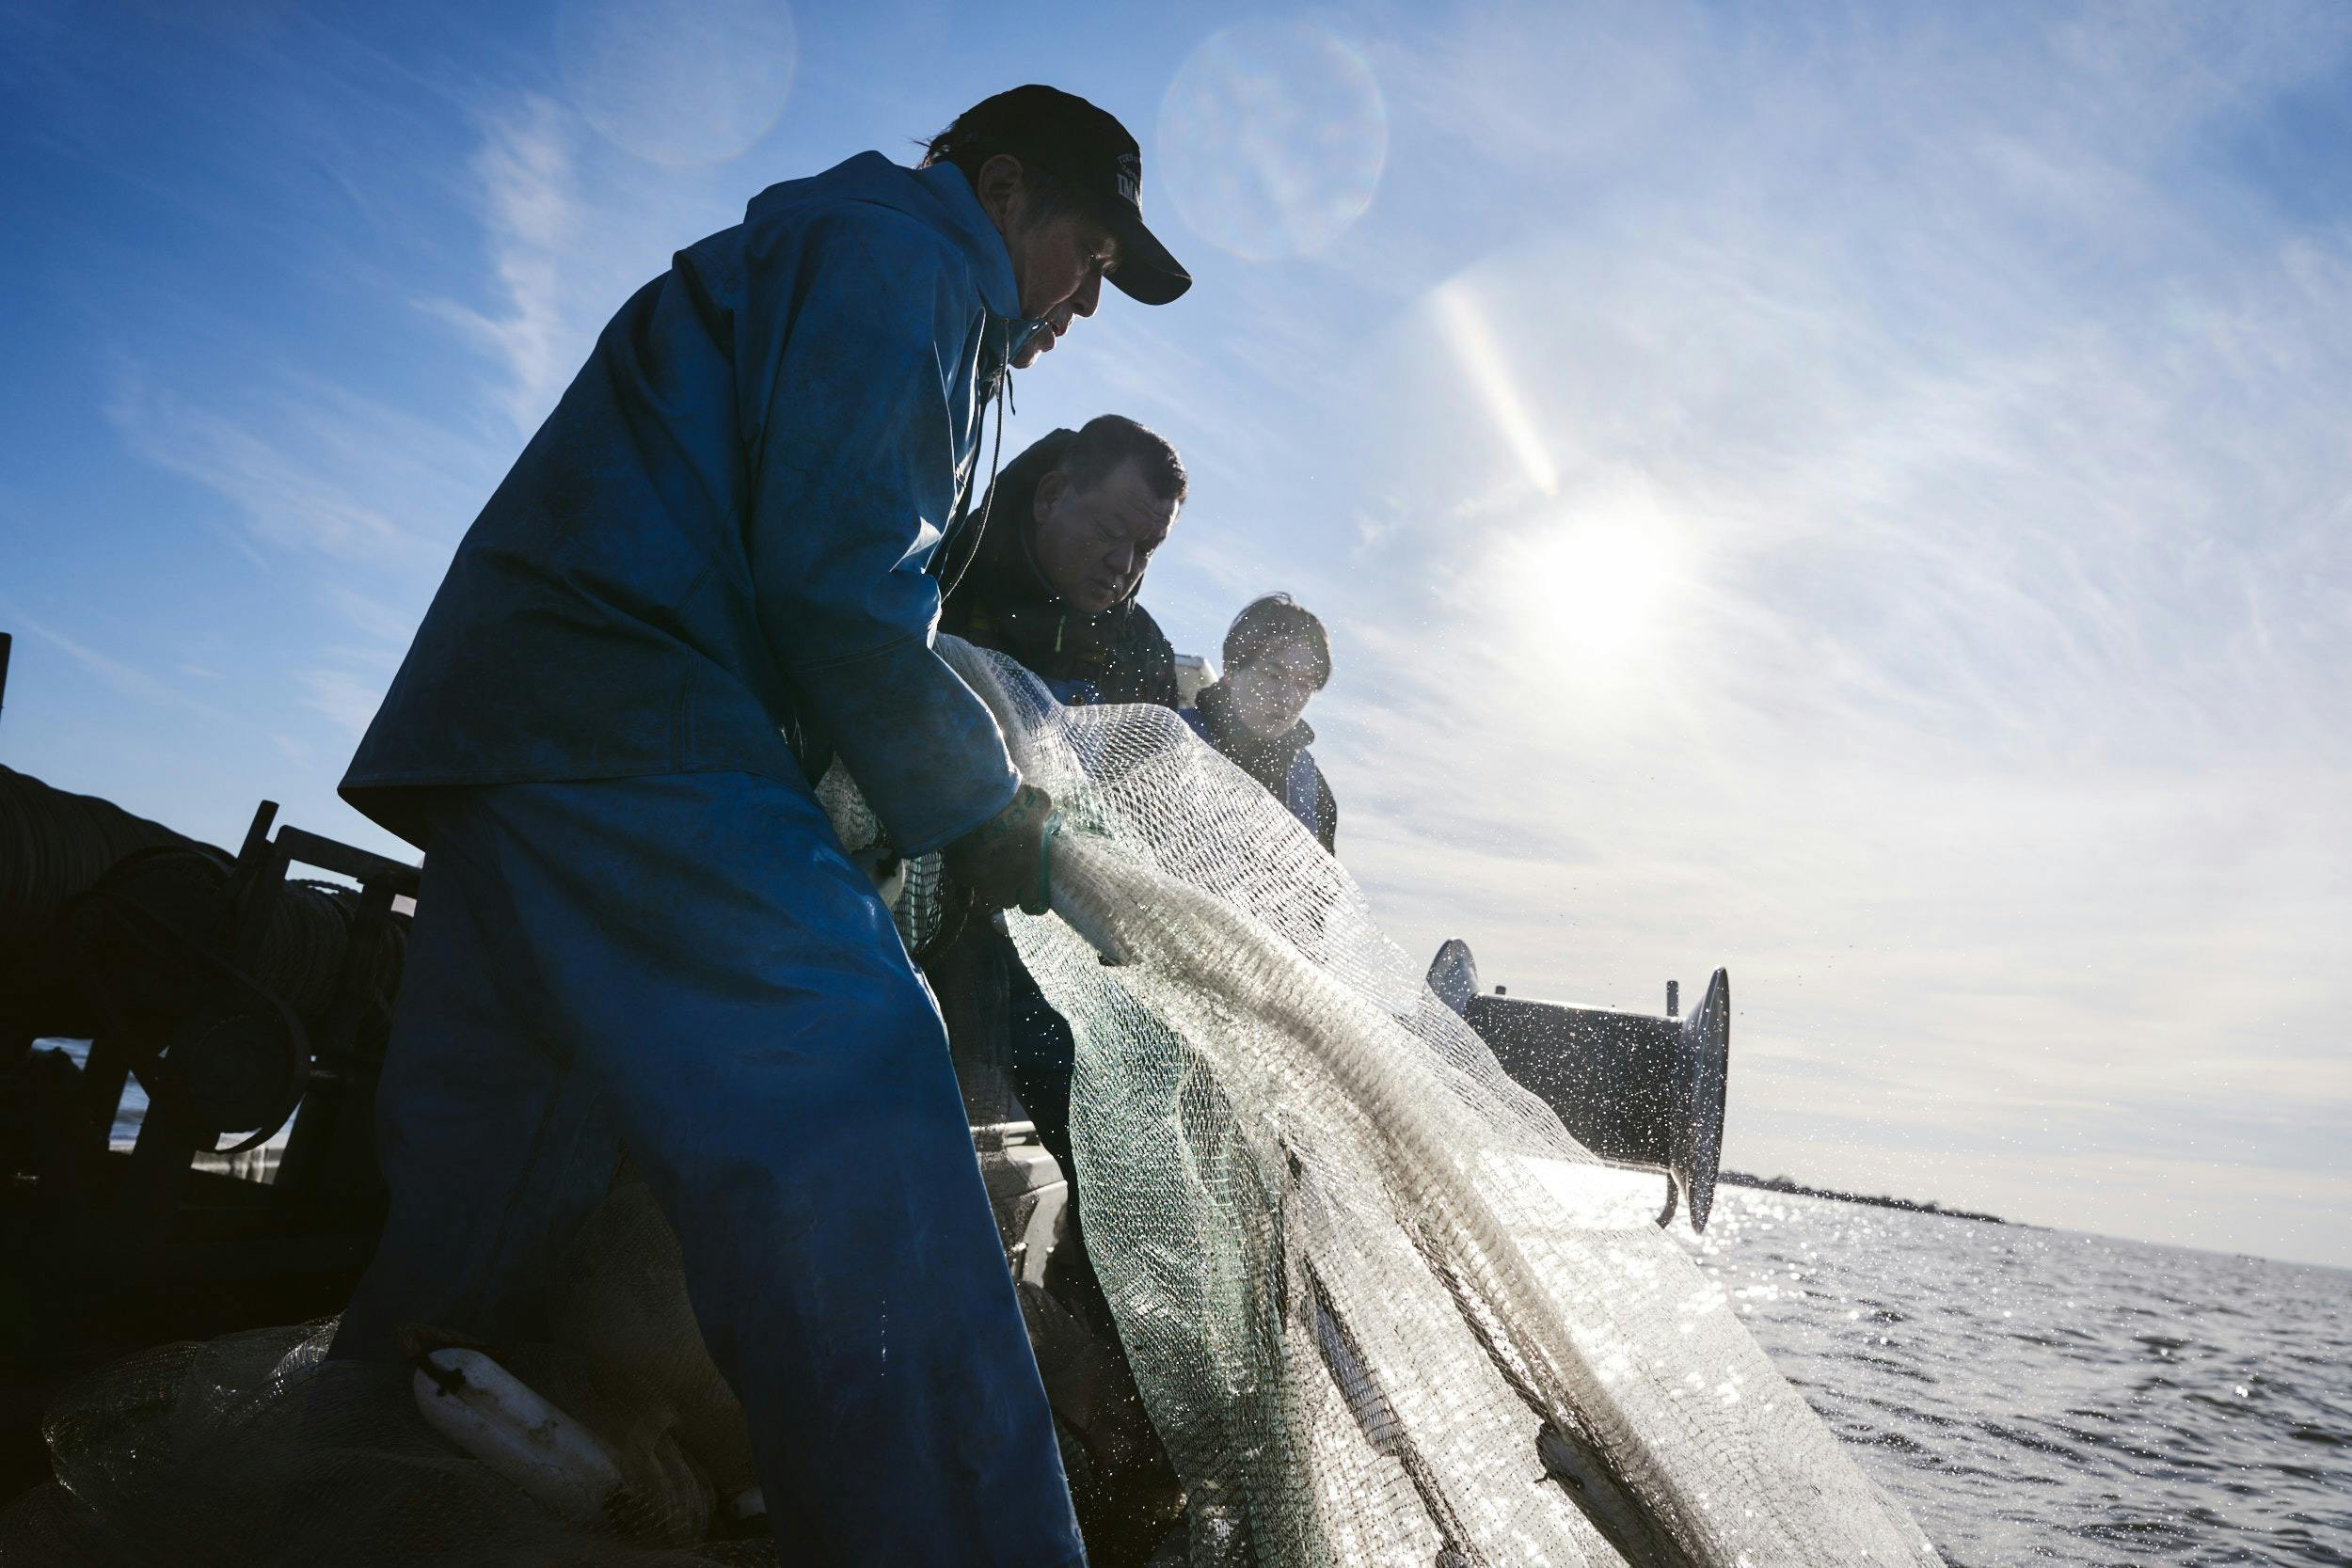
[1853, 493]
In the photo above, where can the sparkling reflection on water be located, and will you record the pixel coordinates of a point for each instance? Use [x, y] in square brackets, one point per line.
[2046, 1397]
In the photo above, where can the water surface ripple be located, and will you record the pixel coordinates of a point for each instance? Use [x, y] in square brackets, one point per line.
[2048, 1397]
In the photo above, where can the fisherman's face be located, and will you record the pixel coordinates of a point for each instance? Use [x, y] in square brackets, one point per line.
[1271, 692]
[1094, 543]
[1058, 263]
[1058, 260]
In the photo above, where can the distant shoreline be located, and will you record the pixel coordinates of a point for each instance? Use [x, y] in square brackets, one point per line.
[1785, 1184]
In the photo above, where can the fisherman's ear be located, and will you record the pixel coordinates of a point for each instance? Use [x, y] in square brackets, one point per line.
[1050, 490]
[1003, 190]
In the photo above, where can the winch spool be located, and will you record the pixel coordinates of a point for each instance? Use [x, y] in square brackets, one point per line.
[55, 846]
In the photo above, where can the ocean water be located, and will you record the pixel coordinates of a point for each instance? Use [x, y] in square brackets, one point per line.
[128, 1114]
[2044, 1396]
[133, 1110]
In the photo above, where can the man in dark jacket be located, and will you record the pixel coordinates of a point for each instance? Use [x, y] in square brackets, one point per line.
[1071, 527]
[1276, 658]
[637, 931]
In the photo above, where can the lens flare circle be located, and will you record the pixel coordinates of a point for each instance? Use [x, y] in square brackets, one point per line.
[679, 82]
[1274, 134]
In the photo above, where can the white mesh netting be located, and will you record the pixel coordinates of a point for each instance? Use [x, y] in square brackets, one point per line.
[1359, 1273]
[1381, 1307]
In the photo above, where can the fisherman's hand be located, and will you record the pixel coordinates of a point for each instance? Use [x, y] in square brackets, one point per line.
[1004, 861]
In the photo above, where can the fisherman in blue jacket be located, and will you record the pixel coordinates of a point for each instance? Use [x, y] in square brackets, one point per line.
[637, 932]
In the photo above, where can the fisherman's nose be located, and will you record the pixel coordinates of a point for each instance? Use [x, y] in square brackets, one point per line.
[1089, 294]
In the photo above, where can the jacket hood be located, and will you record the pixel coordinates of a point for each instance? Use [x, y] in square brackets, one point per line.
[939, 198]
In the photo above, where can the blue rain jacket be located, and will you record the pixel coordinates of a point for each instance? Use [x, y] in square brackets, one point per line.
[712, 555]
[687, 967]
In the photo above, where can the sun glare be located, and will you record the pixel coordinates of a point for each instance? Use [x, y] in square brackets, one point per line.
[1594, 581]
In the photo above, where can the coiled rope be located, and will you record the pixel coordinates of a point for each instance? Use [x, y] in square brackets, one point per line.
[55, 846]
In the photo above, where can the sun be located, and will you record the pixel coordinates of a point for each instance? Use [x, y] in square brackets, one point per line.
[1594, 581]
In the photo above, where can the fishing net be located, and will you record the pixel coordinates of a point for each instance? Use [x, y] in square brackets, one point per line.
[1381, 1307]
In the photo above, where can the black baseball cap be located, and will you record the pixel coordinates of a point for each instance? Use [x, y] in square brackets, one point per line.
[1064, 134]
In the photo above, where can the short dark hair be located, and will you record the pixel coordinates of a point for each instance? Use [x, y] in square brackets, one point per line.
[1277, 621]
[971, 142]
[1107, 441]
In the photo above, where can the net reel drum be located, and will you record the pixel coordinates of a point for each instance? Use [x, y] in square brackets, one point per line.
[1643, 1092]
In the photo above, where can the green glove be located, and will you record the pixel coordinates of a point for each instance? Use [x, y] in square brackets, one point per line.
[1006, 861]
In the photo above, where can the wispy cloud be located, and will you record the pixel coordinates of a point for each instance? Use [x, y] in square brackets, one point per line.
[381, 624]
[285, 501]
[532, 217]
[343, 699]
[570, 226]
[132, 680]
[317, 473]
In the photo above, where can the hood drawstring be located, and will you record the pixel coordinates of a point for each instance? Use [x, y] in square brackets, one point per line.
[970, 552]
